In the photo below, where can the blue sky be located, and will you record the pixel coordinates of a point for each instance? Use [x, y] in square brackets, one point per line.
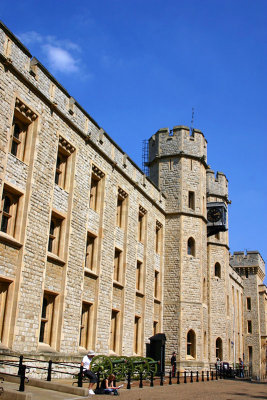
[140, 65]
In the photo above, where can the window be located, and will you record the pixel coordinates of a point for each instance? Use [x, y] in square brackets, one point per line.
[47, 319]
[60, 176]
[155, 327]
[191, 344]
[246, 273]
[249, 326]
[219, 349]
[137, 335]
[55, 233]
[90, 256]
[95, 192]
[117, 265]
[141, 224]
[139, 276]
[85, 325]
[121, 208]
[217, 270]
[191, 247]
[63, 166]
[10, 203]
[156, 285]
[191, 200]
[114, 330]
[249, 303]
[19, 134]
[158, 236]
[3, 303]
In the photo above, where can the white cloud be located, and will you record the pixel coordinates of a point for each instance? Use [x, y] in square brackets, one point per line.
[59, 53]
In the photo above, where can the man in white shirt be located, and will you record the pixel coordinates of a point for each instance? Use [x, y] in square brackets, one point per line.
[86, 364]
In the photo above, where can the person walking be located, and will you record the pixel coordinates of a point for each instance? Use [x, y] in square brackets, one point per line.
[241, 368]
[86, 364]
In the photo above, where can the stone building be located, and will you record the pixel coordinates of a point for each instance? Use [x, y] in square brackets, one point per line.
[94, 254]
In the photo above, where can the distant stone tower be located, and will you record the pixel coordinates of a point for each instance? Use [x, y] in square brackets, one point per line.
[178, 167]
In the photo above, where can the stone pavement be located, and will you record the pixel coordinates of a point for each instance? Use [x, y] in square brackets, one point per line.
[216, 390]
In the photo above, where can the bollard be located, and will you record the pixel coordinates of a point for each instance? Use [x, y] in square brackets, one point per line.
[191, 377]
[170, 378]
[212, 375]
[208, 376]
[49, 370]
[141, 380]
[178, 377]
[216, 374]
[220, 373]
[22, 378]
[184, 376]
[151, 379]
[98, 382]
[197, 377]
[20, 364]
[129, 380]
[80, 377]
[202, 376]
[161, 378]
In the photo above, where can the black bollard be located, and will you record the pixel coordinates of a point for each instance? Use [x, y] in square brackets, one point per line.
[216, 374]
[129, 380]
[178, 377]
[212, 375]
[170, 378]
[161, 378]
[80, 377]
[141, 380]
[184, 376]
[151, 379]
[197, 377]
[49, 370]
[220, 373]
[208, 376]
[191, 377]
[202, 376]
[20, 364]
[22, 378]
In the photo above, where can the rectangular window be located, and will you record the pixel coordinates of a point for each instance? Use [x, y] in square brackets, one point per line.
[141, 224]
[85, 337]
[19, 135]
[191, 200]
[114, 330]
[47, 319]
[117, 276]
[158, 236]
[90, 256]
[119, 211]
[249, 327]
[249, 303]
[137, 332]
[10, 205]
[96, 186]
[55, 234]
[155, 327]
[63, 166]
[139, 276]
[156, 285]
[3, 302]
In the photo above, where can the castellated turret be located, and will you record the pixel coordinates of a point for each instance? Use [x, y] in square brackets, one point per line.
[217, 186]
[248, 262]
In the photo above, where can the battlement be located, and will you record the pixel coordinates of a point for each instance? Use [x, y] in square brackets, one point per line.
[217, 185]
[177, 141]
[16, 58]
[252, 259]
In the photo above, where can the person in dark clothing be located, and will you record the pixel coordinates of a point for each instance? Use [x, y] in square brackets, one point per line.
[107, 385]
[173, 364]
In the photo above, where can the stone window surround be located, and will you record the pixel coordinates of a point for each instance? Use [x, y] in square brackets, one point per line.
[86, 323]
[64, 163]
[15, 214]
[141, 224]
[58, 237]
[121, 208]
[49, 320]
[96, 189]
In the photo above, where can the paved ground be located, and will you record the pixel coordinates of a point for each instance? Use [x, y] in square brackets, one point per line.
[216, 390]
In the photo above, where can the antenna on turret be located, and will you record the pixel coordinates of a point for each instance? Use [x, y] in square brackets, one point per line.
[192, 121]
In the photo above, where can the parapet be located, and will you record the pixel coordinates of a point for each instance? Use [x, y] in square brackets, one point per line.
[166, 143]
[217, 185]
[250, 259]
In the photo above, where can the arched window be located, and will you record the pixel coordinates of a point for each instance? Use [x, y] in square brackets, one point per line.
[217, 270]
[191, 344]
[219, 348]
[191, 247]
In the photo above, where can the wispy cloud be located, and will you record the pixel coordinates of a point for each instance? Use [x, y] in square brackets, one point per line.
[59, 54]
